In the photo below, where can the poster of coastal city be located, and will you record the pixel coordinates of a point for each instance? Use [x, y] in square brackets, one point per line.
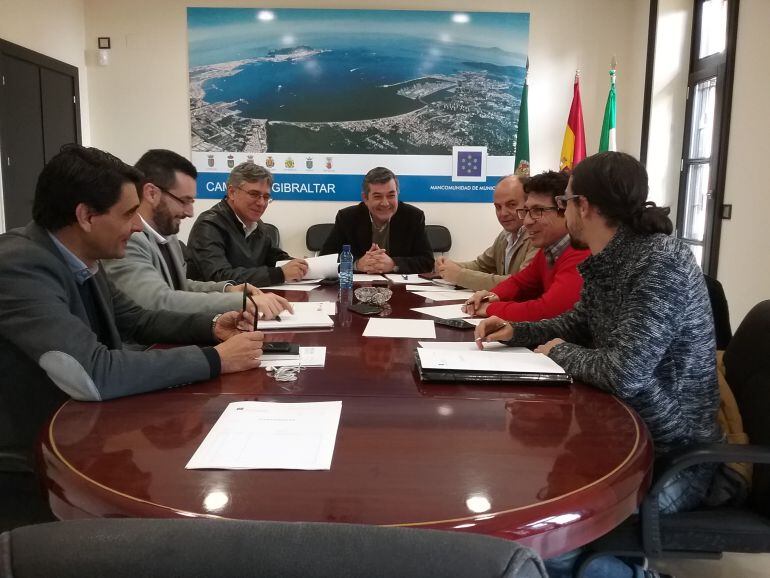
[322, 96]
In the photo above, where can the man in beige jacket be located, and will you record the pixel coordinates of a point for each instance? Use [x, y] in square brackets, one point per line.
[511, 251]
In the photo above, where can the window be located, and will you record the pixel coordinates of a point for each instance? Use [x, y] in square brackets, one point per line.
[704, 154]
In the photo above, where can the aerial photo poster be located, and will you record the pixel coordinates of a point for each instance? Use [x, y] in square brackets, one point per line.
[322, 96]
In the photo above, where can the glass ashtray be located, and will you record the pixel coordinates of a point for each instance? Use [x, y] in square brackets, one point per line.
[373, 295]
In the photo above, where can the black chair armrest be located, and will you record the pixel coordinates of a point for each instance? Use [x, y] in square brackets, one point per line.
[670, 465]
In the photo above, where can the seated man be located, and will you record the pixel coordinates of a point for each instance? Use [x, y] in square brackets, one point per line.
[643, 328]
[384, 234]
[63, 322]
[551, 284]
[509, 254]
[153, 272]
[229, 242]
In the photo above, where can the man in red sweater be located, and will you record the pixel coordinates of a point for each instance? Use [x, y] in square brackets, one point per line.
[551, 284]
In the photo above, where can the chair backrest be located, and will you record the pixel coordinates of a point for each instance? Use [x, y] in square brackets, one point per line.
[272, 232]
[439, 237]
[747, 365]
[721, 313]
[199, 547]
[316, 235]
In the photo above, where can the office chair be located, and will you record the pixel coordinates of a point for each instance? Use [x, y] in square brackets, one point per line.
[316, 236]
[131, 547]
[708, 532]
[718, 300]
[272, 232]
[439, 237]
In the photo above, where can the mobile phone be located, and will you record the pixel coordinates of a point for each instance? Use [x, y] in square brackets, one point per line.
[365, 308]
[456, 323]
[280, 347]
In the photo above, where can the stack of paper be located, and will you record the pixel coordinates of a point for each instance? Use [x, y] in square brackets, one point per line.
[325, 307]
[456, 359]
[297, 320]
[494, 346]
[366, 278]
[323, 267]
[276, 436]
[308, 357]
[292, 287]
[445, 295]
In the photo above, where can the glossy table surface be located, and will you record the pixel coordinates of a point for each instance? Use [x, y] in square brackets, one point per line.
[550, 466]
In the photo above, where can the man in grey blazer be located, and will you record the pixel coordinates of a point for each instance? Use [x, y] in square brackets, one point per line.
[154, 273]
[63, 322]
[509, 254]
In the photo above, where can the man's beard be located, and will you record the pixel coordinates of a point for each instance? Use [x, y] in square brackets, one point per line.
[575, 241]
[165, 222]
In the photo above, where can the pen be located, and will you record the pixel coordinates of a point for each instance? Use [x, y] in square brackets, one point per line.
[498, 328]
[245, 292]
[405, 277]
[278, 318]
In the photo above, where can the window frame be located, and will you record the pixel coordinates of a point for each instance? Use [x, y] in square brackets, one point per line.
[722, 67]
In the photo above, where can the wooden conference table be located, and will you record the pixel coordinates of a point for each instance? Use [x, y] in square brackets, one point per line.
[552, 467]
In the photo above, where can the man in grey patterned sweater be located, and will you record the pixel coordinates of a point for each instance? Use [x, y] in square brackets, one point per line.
[643, 328]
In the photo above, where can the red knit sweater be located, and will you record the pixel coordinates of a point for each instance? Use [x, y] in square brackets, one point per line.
[538, 291]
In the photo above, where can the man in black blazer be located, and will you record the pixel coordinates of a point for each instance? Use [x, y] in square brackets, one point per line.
[385, 235]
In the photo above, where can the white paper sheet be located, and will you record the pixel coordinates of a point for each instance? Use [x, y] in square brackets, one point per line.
[400, 279]
[425, 288]
[258, 435]
[308, 357]
[445, 295]
[450, 359]
[443, 311]
[298, 319]
[442, 282]
[386, 327]
[495, 346]
[323, 267]
[325, 307]
[292, 287]
[366, 278]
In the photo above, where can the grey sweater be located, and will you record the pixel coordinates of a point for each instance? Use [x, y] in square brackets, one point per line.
[642, 330]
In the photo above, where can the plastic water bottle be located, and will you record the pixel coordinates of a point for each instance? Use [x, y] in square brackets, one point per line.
[346, 268]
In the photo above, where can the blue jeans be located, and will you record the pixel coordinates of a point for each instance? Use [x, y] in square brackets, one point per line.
[683, 492]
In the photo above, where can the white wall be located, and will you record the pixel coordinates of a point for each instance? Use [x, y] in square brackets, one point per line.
[141, 100]
[53, 28]
[667, 108]
[744, 255]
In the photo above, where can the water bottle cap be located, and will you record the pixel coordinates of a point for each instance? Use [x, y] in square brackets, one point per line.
[346, 248]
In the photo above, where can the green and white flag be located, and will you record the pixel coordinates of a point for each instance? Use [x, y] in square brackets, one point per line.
[608, 140]
[521, 161]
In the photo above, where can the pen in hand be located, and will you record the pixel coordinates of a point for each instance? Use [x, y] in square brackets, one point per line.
[494, 330]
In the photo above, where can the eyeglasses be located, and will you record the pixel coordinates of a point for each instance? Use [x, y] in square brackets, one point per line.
[185, 202]
[561, 200]
[256, 195]
[535, 212]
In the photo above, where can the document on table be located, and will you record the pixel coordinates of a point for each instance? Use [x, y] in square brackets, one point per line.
[292, 287]
[444, 295]
[459, 360]
[325, 307]
[308, 357]
[298, 319]
[401, 279]
[323, 267]
[366, 278]
[386, 327]
[425, 288]
[492, 346]
[443, 311]
[256, 435]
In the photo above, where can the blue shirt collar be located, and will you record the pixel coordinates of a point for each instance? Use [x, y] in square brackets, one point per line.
[79, 269]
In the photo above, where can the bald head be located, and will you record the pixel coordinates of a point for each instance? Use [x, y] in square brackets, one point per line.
[509, 196]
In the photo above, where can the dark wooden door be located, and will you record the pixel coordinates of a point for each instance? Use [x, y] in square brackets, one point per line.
[38, 114]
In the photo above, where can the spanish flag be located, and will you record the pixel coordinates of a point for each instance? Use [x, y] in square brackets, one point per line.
[573, 150]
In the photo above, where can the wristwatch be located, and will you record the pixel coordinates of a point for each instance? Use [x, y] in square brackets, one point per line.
[214, 325]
